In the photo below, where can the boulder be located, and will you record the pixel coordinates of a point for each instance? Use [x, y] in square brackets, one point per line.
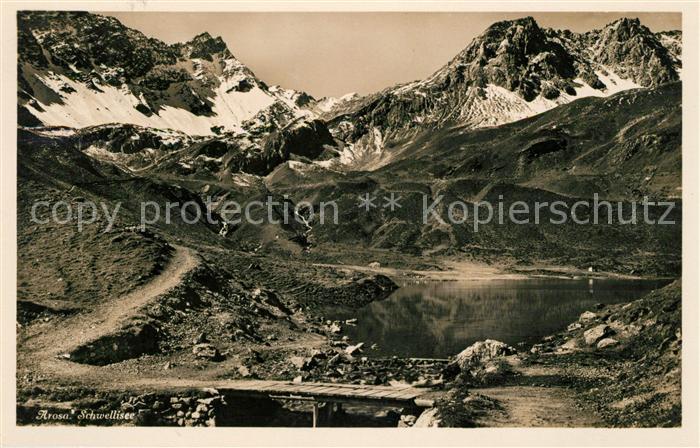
[354, 349]
[428, 419]
[128, 342]
[570, 345]
[206, 351]
[334, 360]
[210, 391]
[201, 338]
[480, 352]
[451, 371]
[596, 333]
[314, 360]
[427, 382]
[406, 421]
[607, 342]
[587, 316]
[239, 334]
[297, 361]
[574, 326]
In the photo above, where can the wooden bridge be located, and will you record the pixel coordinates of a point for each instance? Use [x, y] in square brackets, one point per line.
[334, 395]
[390, 396]
[326, 398]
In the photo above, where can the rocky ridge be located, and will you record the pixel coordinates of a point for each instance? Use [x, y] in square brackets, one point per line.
[514, 69]
[78, 69]
[84, 70]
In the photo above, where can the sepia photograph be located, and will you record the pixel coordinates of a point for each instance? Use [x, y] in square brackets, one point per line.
[348, 219]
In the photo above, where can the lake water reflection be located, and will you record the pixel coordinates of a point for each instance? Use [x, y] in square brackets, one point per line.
[439, 319]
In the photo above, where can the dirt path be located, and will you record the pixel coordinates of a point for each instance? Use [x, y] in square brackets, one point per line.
[533, 399]
[533, 406]
[44, 348]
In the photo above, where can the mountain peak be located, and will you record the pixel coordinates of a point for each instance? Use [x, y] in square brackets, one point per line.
[514, 54]
[509, 28]
[527, 21]
[626, 28]
[204, 45]
[514, 38]
[204, 37]
[514, 69]
[626, 22]
[634, 51]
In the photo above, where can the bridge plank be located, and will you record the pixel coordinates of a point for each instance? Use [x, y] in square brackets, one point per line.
[399, 394]
[370, 392]
[307, 389]
[282, 388]
[377, 393]
[324, 390]
[330, 391]
[262, 385]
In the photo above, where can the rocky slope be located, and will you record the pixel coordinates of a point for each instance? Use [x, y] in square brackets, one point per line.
[189, 109]
[632, 353]
[673, 42]
[624, 146]
[513, 70]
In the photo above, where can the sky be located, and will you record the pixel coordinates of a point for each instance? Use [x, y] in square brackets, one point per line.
[331, 54]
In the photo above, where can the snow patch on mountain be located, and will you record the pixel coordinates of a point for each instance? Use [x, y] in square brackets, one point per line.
[81, 107]
[81, 70]
[328, 104]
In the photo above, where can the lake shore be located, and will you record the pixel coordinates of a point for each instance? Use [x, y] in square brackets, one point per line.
[617, 366]
[453, 269]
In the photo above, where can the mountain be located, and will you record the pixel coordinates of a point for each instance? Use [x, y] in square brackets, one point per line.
[515, 69]
[78, 69]
[192, 109]
[623, 148]
[673, 42]
[136, 101]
